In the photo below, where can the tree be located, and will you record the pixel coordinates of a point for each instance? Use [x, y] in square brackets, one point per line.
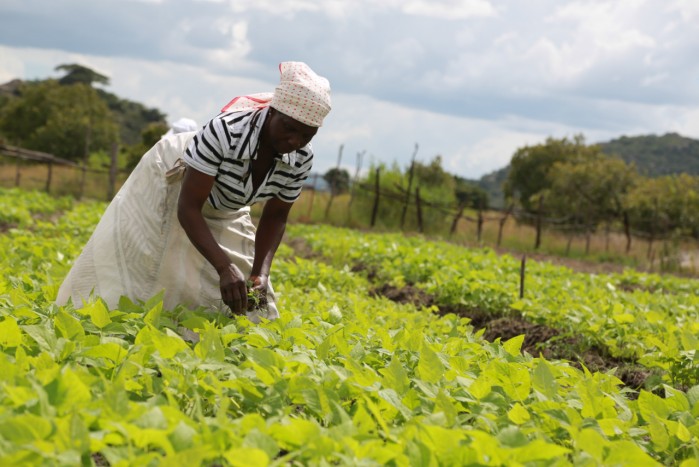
[66, 121]
[80, 74]
[150, 135]
[589, 191]
[338, 180]
[470, 195]
[530, 167]
[659, 207]
[529, 181]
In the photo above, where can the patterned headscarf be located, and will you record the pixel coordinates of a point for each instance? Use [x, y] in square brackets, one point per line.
[301, 94]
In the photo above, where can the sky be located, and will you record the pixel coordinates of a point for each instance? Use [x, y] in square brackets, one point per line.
[468, 80]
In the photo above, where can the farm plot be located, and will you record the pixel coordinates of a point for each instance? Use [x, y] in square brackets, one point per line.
[344, 377]
[629, 319]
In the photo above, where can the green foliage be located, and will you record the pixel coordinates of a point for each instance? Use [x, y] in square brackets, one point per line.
[65, 121]
[657, 155]
[338, 180]
[530, 169]
[665, 205]
[341, 378]
[655, 328]
[76, 73]
[437, 195]
[150, 135]
[470, 194]
[590, 190]
[132, 117]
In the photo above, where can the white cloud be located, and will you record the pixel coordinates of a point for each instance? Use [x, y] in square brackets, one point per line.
[449, 9]
[471, 80]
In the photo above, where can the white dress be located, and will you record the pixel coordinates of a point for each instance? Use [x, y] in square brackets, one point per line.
[139, 247]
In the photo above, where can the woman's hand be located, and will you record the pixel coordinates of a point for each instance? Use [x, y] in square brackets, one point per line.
[234, 291]
[260, 283]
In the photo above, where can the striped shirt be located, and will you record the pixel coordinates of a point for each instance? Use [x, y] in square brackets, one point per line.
[225, 148]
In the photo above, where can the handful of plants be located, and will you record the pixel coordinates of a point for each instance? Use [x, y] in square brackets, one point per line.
[257, 299]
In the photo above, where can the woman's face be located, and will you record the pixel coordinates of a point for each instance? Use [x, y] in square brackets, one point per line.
[286, 134]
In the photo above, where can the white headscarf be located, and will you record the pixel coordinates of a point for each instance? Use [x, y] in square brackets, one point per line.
[301, 94]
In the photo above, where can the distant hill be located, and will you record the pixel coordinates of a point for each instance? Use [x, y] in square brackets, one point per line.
[657, 155]
[653, 156]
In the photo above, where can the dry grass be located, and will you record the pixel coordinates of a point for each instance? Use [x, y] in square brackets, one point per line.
[312, 207]
[518, 238]
[64, 180]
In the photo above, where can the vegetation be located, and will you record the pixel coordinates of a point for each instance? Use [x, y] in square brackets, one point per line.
[655, 156]
[69, 118]
[344, 376]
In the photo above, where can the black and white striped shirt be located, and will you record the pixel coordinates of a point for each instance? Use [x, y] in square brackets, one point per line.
[225, 147]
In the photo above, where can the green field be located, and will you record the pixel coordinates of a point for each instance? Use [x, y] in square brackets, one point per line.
[604, 374]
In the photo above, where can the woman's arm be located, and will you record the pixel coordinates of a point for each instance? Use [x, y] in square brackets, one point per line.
[269, 234]
[196, 187]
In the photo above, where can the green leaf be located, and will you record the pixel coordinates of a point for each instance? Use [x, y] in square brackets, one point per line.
[395, 377]
[154, 313]
[518, 414]
[295, 433]
[43, 335]
[430, 368]
[98, 313]
[543, 379]
[10, 333]
[68, 391]
[649, 404]
[68, 326]
[210, 345]
[25, 428]
[247, 457]
[513, 346]
[538, 450]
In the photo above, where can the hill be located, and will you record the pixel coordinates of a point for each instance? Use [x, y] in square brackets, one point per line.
[653, 156]
[657, 155]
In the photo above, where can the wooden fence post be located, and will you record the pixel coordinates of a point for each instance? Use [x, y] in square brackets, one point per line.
[360, 155]
[410, 185]
[313, 194]
[375, 210]
[455, 222]
[112, 171]
[48, 177]
[501, 223]
[480, 224]
[333, 188]
[522, 269]
[419, 210]
[539, 219]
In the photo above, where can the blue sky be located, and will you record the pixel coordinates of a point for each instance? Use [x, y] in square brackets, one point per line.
[470, 80]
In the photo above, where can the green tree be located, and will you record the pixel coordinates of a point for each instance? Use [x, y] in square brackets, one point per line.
[470, 195]
[663, 206]
[75, 73]
[589, 190]
[338, 180]
[67, 121]
[150, 135]
[530, 168]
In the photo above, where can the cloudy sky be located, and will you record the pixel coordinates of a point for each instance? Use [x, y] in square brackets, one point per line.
[470, 80]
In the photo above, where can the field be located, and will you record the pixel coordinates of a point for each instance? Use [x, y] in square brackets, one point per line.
[391, 350]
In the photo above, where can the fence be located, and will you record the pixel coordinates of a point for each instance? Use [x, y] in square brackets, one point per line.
[29, 169]
[670, 252]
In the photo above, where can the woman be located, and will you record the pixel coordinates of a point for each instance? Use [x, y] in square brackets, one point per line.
[181, 222]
